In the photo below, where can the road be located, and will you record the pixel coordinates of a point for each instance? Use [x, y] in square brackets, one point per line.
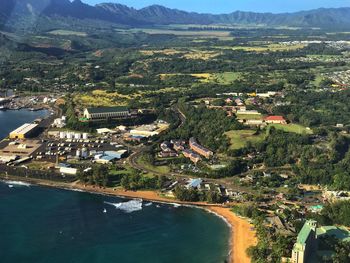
[133, 162]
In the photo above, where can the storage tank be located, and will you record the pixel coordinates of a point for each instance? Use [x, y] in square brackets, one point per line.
[84, 153]
[62, 135]
[85, 136]
[69, 135]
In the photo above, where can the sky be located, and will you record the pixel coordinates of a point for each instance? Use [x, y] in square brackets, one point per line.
[227, 6]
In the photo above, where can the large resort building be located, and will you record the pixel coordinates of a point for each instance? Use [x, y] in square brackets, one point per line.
[196, 147]
[104, 113]
[306, 243]
[308, 247]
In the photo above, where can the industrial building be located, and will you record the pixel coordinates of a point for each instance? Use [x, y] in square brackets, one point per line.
[27, 130]
[104, 113]
[109, 156]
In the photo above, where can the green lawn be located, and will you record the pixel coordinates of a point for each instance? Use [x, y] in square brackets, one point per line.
[227, 77]
[249, 116]
[158, 169]
[296, 128]
[240, 138]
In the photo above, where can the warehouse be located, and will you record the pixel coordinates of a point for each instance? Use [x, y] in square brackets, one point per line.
[27, 130]
[104, 113]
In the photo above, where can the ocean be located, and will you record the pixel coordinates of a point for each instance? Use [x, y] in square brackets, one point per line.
[40, 225]
[12, 119]
[45, 225]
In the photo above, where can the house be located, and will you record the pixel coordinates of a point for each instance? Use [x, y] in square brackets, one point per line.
[194, 183]
[228, 101]
[275, 120]
[104, 113]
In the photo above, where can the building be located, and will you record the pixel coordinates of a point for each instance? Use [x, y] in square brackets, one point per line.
[306, 244]
[27, 130]
[59, 122]
[200, 149]
[109, 156]
[149, 130]
[275, 120]
[103, 113]
[254, 122]
[194, 183]
[68, 170]
[195, 158]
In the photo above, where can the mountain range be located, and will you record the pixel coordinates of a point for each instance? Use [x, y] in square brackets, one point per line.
[10, 10]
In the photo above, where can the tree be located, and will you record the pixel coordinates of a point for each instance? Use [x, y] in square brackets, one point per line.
[342, 252]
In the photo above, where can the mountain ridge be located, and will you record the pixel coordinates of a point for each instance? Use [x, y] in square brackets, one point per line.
[160, 15]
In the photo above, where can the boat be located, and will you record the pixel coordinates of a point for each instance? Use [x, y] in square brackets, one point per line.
[105, 210]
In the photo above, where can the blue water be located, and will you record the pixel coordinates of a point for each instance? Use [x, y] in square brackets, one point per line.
[12, 119]
[47, 225]
[42, 225]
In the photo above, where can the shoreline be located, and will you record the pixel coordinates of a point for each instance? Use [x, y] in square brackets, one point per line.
[242, 235]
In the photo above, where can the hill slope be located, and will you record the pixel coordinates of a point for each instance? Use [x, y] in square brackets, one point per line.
[10, 10]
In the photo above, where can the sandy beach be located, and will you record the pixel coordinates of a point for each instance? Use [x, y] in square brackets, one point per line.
[242, 232]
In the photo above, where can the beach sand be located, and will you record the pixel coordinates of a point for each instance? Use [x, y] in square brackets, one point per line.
[242, 232]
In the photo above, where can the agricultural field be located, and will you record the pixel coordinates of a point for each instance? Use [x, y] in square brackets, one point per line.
[240, 138]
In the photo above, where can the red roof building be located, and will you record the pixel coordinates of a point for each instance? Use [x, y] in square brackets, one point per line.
[275, 120]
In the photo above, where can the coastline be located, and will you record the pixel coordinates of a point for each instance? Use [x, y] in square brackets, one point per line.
[242, 235]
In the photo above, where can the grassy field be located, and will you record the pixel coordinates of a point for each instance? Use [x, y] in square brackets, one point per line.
[188, 54]
[265, 48]
[222, 78]
[227, 77]
[101, 98]
[158, 169]
[296, 128]
[249, 116]
[240, 138]
[68, 33]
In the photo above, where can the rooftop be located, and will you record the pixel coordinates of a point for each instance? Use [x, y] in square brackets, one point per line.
[25, 128]
[107, 109]
[275, 118]
[305, 231]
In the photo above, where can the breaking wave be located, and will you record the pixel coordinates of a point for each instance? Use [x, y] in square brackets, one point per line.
[17, 183]
[128, 207]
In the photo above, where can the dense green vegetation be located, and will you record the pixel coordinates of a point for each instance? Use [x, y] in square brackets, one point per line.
[208, 126]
